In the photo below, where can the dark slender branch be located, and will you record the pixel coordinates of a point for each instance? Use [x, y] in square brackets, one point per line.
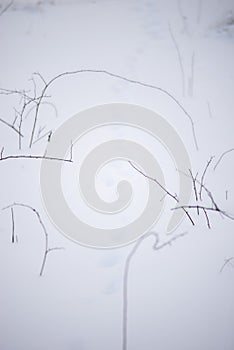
[203, 176]
[105, 72]
[35, 157]
[156, 246]
[204, 208]
[227, 261]
[48, 133]
[2, 150]
[11, 126]
[47, 249]
[221, 157]
[194, 186]
[6, 7]
[163, 188]
[13, 226]
[207, 218]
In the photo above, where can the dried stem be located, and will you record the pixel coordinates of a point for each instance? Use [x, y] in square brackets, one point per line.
[6, 8]
[221, 157]
[35, 157]
[12, 127]
[163, 188]
[13, 226]
[197, 207]
[97, 71]
[47, 249]
[156, 246]
[227, 261]
[203, 176]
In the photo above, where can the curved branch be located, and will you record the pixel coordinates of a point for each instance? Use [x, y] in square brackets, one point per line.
[156, 246]
[113, 75]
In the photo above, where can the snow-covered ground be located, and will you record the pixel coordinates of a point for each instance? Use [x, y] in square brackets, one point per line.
[177, 299]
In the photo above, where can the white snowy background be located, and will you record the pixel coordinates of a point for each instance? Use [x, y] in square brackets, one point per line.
[177, 297]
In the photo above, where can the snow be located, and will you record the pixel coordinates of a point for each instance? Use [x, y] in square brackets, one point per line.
[177, 299]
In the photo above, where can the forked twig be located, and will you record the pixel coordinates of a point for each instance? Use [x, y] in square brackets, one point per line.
[12, 127]
[163, 188]
[47, 249]
[203, 176]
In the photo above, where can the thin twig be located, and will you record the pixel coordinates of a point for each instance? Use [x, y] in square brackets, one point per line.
[47, 249]
[6, 7]
[194, 186]
[156, 246]
[227, 261]
[207, 218]
[11, 126]
[105, 72]
[163, 188]
[209, 110]
[203, 176]
[13, 226]
[221, 157]
[48, 133]
[35, 157]
[204, 208]
[2, 150]
[179, 58]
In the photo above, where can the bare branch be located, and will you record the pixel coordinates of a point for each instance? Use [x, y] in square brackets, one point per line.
[156, 246]
[11, 126]
[6, 7]
[179, 58]
[13, 226]
[2, 150]
[203, 176]
[97, 71]
[207, 218]
[35, 157]
[205, 208]
[163, 188]
[47, 249]
[227, 261]
[48, 133]
[221, 157]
